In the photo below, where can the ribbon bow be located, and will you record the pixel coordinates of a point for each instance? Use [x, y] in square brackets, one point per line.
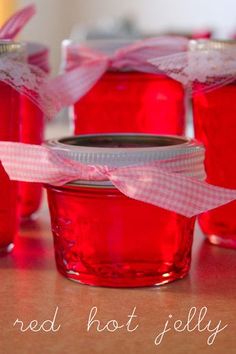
[85, 66]
[167, 184]
[17, 22]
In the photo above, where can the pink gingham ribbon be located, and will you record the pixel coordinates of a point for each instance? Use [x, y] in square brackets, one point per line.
[17, 22]
[196, 69]
[85, 66]
[37, 53]
[29, 80]
[165, 184]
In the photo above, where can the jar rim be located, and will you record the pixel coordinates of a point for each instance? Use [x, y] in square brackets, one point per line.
[117, 156]
[170, 147]
[69, 142]
[8, 46]
[207, 44]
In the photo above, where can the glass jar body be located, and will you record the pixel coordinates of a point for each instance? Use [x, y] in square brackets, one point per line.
[32, 132]
[104, 238]
[215, 125]
[9, 131]
[131, 102]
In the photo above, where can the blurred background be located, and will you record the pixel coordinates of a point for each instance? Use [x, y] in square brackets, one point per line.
[59, 19]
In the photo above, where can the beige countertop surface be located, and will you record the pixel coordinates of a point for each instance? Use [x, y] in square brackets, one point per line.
[31, 289]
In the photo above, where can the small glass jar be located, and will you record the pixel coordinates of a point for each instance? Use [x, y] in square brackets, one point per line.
[32, 131]
[215, 125]
[9, 131]
[129, 101]
[105, 238]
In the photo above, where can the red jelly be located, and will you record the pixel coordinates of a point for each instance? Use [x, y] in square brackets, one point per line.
[9, 131]
[104, 238]
[32, 131]
[126, 100]
[131, 102]
[215, 125]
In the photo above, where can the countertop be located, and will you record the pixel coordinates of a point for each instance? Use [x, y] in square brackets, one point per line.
[32, 289]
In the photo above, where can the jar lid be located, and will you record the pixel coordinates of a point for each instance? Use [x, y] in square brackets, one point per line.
[116, 150]
[209, 44]
[8, 46]
[106, 46]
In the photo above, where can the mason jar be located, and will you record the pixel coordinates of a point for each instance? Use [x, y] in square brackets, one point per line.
[215, 125]
[127, 100]
[104, 238]
[32, 131]
[9, 131]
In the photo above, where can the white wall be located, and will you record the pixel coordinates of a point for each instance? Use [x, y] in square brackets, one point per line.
[163, 14]
[55, 18]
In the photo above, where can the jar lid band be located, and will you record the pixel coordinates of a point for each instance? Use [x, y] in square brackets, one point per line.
[11, 47]
[119, 150]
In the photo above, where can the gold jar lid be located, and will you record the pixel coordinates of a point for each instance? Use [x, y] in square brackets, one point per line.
[215, 44]
[16, 49]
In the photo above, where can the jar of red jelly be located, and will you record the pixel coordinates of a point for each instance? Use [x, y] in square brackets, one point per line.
[215, 125]
[32, 130]
[105, 238]
[9, 131]
[127, 100]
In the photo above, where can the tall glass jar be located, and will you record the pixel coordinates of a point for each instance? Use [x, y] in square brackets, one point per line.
[105, 238]
[32, 131]
[9, 131]
[129, 101]
[215, 125]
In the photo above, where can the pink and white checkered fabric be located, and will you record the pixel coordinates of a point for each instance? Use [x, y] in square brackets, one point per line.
[17, 22]
[84, 66]
[168, 184]
[197, 70]
[28, 79]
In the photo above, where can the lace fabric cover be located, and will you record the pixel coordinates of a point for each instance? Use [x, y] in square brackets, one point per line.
[200, 65]
[28, 80]
[206, 65]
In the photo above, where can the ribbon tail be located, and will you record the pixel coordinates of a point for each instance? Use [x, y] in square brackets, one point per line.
[36, 163]
[171, 191]
[142, 55]
[19, 162]
[17, 22]
[69, 87]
